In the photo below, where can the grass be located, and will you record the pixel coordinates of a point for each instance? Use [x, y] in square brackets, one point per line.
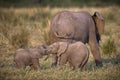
[30, 27]
[109, 47]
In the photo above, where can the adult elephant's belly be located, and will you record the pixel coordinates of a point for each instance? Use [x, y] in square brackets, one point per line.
[82, 34]
[73, 34]
[81, 27]
[83, 37]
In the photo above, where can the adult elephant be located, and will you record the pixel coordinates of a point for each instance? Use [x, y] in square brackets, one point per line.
[78, 26]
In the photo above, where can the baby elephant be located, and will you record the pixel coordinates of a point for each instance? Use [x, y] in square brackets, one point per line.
[29, 57]
[76, 54]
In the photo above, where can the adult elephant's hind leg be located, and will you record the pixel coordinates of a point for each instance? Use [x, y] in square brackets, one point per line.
[94, 45]
[63, 60]
[96, 54]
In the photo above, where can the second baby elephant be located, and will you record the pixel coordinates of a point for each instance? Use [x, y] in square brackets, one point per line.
[76, 54]
[29, 57]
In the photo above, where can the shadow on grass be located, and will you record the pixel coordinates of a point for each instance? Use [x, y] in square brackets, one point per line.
[106, 61]
[114, 61]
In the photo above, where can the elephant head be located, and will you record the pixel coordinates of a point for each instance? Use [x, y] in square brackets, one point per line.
[43, 49]
[58, 48]
[99, 23]
[38, 51]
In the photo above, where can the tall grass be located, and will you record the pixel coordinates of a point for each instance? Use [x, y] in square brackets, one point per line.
[109, 47]
[20, 40]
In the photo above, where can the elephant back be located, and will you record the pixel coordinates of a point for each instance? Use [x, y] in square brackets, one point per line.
[69, 26]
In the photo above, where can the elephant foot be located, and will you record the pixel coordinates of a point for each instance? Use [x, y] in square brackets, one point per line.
[54, 64]
[98, 63]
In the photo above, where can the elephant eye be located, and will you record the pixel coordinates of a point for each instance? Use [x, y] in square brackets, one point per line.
[102, 19]
[51, 47]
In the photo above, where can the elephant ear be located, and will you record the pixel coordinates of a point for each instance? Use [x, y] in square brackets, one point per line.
[62, 48]
[99, 22]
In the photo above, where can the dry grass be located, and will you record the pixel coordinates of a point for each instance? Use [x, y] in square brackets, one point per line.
[35, 22]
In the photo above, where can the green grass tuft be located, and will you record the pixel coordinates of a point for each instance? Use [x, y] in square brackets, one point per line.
[109, 47]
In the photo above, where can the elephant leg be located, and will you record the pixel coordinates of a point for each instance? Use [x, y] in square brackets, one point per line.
[63, 60]
[54, 60]
[35, 63]
[71, 65]
[20, 65]
[75, 67]
[94, 45]
[23, 65]
[96, 53]
[32, 66]
[16, 64]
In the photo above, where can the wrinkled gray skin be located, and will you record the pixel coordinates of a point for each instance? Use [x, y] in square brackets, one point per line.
[29, 57]
[78, 26]
[75, 53]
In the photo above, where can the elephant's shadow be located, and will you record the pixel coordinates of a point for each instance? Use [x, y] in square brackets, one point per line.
[106, 62]
[114, 61]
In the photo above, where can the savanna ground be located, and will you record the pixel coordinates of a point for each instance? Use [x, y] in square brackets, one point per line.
[27, 25]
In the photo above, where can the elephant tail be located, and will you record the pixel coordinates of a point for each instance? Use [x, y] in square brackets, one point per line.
[85, 60]
[63, 36]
